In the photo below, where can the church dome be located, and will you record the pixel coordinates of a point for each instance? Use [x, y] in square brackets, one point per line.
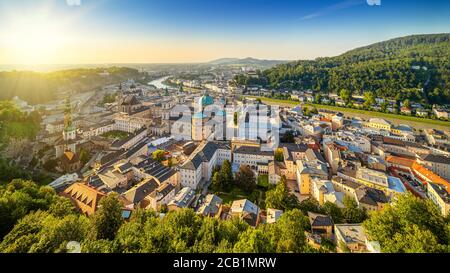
[206, 100]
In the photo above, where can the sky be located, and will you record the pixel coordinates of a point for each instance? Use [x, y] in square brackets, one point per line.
[181, 31]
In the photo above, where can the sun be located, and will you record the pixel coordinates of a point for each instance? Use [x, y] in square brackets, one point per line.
[34, 40]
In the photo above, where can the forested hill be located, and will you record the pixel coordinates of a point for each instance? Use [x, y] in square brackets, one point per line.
[398, 68]
[38, 88]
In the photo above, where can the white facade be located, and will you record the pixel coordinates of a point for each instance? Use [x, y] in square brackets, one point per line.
[191, 178]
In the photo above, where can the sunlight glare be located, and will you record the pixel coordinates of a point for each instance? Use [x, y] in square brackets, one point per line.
[34, 39]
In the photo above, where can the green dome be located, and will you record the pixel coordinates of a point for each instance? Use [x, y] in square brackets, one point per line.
[206, 100]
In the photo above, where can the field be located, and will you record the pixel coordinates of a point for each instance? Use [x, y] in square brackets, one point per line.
[417, 122]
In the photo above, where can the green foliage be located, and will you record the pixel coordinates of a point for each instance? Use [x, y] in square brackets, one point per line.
[21, 197]
[334, 211]
[281, 198]
[310, 205]
[84, 156]
[279, 156]
[346, 95]
[385, 69]
[42, 232]
[15, 124]
[409, 225]
[45, 223]
[263, 181]
[369, 100]
[50, 165]
[287, 235]
[223, 177]
[309, 110]
[352, 213]
[245, 179]
[37, 88]
[109, 98]
[116, 135]
[108, 219]
[10, 171]
[288, 137]
[407, 103]
[159, 155]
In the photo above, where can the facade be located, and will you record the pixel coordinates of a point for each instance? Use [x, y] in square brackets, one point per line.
[378, 124]
[439, 164]
[251, 156]
[440, 196]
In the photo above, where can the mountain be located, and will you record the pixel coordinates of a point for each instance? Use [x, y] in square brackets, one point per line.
[415, 67]
[246, 61]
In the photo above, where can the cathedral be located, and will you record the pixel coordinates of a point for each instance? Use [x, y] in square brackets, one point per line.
[203, 125]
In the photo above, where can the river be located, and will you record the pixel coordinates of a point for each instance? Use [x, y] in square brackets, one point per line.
[159, 83]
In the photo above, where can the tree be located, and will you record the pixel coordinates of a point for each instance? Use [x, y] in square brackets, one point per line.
[288, 233]
[20, 197]
[407, 104]
[318, 98]
[413, 240]
[226, 175]
[216, 182]
[352, 213]
[245, 178]
[288, 137]
[99, 246]
[84, 156]
[334, 211]
[159, 155]
[50, 165]
[108, 218]
[346, 95]
[409, 224]
[42, 232]
[254, 241]
[279, 156]
[311, 205]
[384, 105]
[369, 99]
[280, 197]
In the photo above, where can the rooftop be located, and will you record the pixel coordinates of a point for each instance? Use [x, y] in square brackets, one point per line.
[319, 220]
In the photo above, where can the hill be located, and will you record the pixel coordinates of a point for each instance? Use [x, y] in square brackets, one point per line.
[246, 61]
[414, 67]
[36, 88]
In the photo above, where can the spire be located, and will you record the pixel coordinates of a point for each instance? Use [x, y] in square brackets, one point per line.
[68, 115]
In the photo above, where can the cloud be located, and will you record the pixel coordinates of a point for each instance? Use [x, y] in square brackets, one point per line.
[73, 2]
[336, 7]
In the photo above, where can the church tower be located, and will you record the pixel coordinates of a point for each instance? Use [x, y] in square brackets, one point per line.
[70, 132]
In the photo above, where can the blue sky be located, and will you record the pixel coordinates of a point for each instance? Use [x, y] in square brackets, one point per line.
[200, 30]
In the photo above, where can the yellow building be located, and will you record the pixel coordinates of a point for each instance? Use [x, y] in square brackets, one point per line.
[378, 123]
